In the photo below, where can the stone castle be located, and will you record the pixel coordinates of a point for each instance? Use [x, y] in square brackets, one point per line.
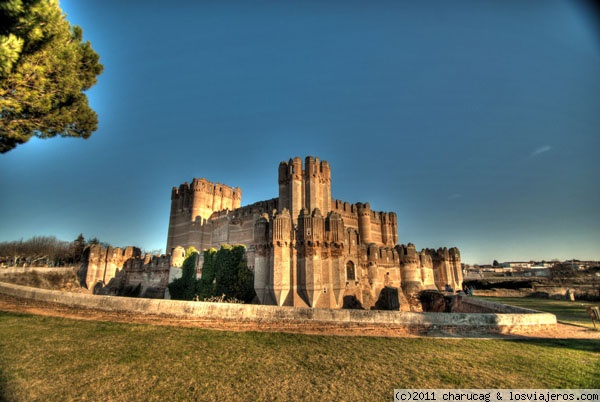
[307, 249]
[125, 272]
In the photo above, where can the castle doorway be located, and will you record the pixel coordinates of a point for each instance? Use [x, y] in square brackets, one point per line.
[350, 271]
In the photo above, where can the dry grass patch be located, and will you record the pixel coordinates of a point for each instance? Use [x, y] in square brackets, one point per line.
[66, 279]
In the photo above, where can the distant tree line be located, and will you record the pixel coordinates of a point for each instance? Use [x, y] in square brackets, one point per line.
[225, 276]
[44, 251]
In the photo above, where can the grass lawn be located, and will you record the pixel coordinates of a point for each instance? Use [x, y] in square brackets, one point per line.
[49, 358]
[567, 312]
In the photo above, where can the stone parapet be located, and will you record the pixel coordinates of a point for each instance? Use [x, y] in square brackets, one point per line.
[420, 323]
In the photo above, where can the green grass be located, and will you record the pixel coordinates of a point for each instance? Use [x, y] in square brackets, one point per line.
[48, 358]
[568, 312]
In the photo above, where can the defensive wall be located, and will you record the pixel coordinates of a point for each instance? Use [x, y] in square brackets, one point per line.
[494, 318]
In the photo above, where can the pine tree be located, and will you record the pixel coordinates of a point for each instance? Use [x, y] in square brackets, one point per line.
[45, 67]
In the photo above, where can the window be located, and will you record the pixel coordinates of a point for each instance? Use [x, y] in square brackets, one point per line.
[350, 274]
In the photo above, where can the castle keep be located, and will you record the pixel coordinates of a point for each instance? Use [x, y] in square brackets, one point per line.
[306, 248]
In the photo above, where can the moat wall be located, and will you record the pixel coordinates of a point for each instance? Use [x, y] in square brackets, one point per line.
[509, 320]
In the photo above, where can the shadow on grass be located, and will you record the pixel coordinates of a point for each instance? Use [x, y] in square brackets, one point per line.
[586, 345]
[3, 386]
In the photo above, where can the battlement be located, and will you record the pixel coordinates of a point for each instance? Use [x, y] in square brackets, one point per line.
[305, 186]
[204, 186]
[109, 270]
[294, 170]
[196, 203]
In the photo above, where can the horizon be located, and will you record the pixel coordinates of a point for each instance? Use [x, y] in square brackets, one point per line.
[476, 123]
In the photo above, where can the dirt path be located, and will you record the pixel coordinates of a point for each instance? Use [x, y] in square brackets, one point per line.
[13, 304]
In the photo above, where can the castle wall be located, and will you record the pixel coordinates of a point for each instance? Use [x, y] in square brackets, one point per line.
[376, 227]
[113, 270]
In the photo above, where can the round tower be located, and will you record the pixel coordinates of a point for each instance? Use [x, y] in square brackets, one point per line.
[364, 222]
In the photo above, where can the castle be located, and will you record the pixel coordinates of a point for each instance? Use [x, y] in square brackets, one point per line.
[307, 249]
[125, 272]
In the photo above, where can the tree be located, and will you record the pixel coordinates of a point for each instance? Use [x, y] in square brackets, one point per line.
[561, 272]
[184, 288]
[233, 277]
[78, 247]
[12, 251]
[226, 272]
[94, 240]
[495, 264]
[39, 250]
[206, 283]
[45, 67]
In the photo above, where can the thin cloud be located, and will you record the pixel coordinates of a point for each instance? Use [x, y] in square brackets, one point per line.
[454, 196]
[541, 150]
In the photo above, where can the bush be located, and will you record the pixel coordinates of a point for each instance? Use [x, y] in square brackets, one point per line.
[225, 274]
[184, 288]
[225, 277]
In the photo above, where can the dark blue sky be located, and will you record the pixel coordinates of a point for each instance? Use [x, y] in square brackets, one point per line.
[477, 122]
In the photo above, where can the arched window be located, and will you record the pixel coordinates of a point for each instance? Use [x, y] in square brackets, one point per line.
[350, 273]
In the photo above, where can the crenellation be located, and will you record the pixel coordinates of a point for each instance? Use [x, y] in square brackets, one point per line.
[113, 270]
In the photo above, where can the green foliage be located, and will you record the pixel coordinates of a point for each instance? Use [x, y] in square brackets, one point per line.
[226, 262]
[184, 288]
[225, 272]
[225, 277]
[44, 69]
[190, 250]
[206, 283]
[233, 278]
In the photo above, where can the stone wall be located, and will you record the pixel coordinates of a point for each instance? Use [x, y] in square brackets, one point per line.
[117, 271]
[419, 323]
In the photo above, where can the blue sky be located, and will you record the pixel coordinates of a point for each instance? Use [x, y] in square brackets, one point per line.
[477, 122]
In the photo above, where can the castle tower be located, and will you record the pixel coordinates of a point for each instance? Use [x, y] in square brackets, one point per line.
[281, 258]
[455, 263]
[192, 205]
[446, 264]
[308, 188]
[291, 187]
[317, 183]
[389, 229]
[310, 232]
[336, 267]
[411, 275]
[427, 274]
[364, 222]
[262, 260]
